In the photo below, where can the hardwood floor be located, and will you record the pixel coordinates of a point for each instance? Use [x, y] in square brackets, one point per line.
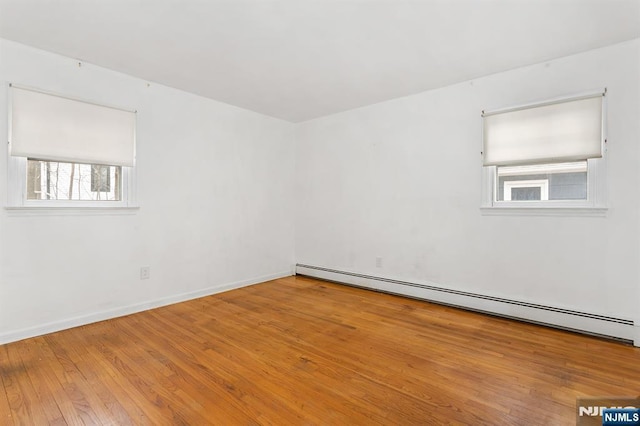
[303, 351]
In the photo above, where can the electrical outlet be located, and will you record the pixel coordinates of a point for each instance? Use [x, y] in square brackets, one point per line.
[378, 262]
[145, 273]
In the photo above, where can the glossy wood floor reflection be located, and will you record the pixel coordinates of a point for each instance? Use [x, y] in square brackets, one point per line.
[302, 351]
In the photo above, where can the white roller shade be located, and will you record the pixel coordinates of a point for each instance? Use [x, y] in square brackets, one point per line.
[563, 131]
[51, 127]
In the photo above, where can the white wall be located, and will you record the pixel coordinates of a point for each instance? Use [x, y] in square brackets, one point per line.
[215, 189]
[400, 180]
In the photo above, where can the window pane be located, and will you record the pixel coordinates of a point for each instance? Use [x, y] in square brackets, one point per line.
[526, 193]
[52, 180]
[563, 181]
[100, 178]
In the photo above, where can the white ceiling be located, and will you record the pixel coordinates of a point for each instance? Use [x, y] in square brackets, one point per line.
[301, 59]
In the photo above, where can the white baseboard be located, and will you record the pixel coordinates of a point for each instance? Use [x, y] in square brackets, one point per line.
[572, 319]
[39, 330]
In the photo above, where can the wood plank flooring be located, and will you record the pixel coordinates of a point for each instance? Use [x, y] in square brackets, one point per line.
[303, 351]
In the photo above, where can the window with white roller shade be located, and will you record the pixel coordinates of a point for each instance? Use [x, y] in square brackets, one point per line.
[570, 130]
[45, 126]
[548, 155]
[67, 153]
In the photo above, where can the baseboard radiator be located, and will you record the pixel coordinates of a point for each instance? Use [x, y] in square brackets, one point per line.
[600, 325]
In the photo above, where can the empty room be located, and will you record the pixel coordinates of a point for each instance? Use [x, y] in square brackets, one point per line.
[306, 212]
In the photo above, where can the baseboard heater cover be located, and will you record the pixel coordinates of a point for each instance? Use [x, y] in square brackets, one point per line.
[585, 322]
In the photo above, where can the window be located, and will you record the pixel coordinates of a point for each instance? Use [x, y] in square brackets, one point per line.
[545, 156]
[54, 180]
[544, 182]
[69, 153]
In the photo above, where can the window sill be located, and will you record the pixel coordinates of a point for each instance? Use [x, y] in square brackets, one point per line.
[544, 211]
[70, 211]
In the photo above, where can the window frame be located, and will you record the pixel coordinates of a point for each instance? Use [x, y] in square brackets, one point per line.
[594, 205]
